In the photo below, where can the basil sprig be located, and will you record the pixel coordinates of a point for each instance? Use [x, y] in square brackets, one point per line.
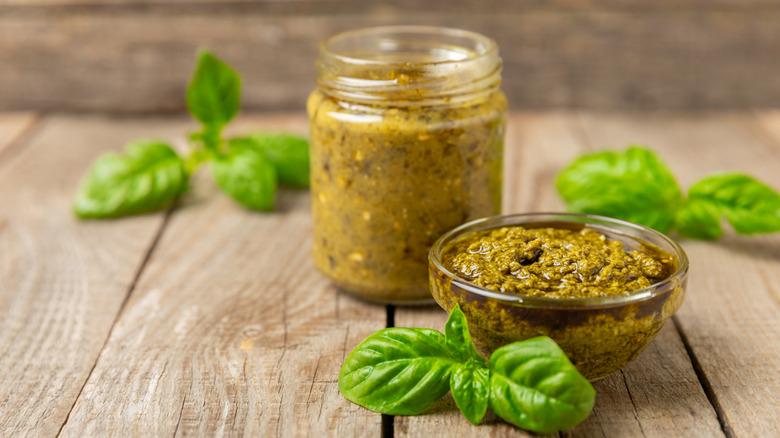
[637, 186]
[404, 371]
[150, 175]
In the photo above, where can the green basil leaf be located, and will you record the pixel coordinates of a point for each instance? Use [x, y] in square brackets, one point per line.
[147, 177]
[533, 385]
[634, 185]
[699, 220]
[470, 387]
[288, 153]
[210, 136]
[214, 93]
[247, 177]
[750, 206]
[397, 371]
[470, 380]
[458, 338]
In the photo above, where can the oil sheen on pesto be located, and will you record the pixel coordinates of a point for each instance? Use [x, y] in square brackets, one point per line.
[555, 263]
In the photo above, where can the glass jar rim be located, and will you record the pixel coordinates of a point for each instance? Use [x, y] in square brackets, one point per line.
[409, 66]
[610, 224]
[485, 46]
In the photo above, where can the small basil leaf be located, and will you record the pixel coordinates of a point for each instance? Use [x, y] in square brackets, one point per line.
[148, 176]
[749, 205]
[470, 387]
[634, 185]
[213, 94]
[699, 220]
[397, 371]
[533, 385]
[458, 338]
[288, 153]
[247, 177]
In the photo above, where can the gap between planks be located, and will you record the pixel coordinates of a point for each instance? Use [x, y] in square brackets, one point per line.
[388, 421]
[121, 310]
[703, 380]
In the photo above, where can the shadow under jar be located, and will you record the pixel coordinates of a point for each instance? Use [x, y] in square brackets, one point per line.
[407, 132]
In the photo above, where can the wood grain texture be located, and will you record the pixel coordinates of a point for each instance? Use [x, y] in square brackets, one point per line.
[729, 319]
[62, 281]
[659, 394]
[12, 126]
[137, 56]
[230, 330]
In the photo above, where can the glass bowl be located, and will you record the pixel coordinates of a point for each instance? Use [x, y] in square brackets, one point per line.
[600, 335]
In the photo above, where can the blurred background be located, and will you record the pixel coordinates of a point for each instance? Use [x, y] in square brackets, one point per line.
[136, 56]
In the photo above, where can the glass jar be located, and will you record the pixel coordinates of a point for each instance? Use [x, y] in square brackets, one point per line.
[407, 132]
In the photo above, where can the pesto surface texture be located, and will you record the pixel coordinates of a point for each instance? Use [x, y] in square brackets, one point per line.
[555, 262]
[388, 181]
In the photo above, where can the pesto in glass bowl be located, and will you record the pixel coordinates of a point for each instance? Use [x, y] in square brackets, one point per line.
[520, 276]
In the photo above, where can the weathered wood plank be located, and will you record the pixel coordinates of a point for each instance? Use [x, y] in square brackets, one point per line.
[769, 121]
[659, 393]
[344, 6]
[230, 330]
[63, 281]
[12, 125]
[729, 319]
[562, 54]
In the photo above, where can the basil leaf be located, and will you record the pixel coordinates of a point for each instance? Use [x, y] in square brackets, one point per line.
[533, 385]
[470, 381]
[470, 387]
[149, 176]
[213, 94]
[288, 153]
[699, 220]
[397, 371]
[458, 339]
[247, 177]
[634, 185]
[749, 205]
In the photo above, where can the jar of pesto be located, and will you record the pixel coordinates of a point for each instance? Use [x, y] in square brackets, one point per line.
[407, 131]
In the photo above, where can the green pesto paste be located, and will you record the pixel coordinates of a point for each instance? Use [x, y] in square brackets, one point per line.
[387, 181]
[555, 263]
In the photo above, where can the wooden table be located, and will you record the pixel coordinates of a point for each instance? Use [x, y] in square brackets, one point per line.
[211, 320]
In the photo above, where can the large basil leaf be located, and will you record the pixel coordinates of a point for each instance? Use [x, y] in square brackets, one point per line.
[397, 371]
[533, 385]
[634, 185]
[214, 93]
[470, 387]
[247, 177]
[288, 153]
[148, 176]
[699, 220]
[749, 205]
